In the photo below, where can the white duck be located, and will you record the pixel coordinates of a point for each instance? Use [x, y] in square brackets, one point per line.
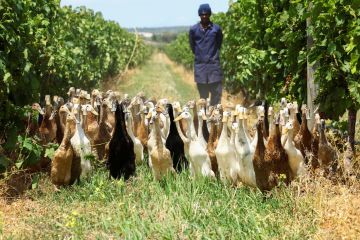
[82, 148]
[138, 147]
[229, 167]
[183, 136]
[244, 150]
[296, 159]
[201, 117]
[245, 126]
[199, 158]
[284, 118]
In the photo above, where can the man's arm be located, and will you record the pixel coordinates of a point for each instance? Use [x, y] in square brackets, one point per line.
[219, 38]
[191, 40]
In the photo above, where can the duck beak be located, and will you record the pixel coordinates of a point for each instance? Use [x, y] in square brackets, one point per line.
[94, 112]
[53, 113]
[41, 111]
[178, 118]
[286, 130]
[149, 115]
[241, 115]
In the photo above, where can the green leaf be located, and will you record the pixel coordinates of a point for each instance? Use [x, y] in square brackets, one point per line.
[77, 50]
[7, 77]
[354, 88]
[27, 144]
[354, 62]
[45, 22]
[27, 67]
[19, 164]
[49, 153]
[26, 53]
[331, 48]
[51, 61]
[350, 46]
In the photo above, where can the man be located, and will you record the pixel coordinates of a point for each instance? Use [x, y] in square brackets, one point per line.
[205, 42]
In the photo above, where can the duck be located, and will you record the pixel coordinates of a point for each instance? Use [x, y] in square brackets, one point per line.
[138, 147]
[296, 159]
[161, 160]
[276, 154]
[213, 141]
[266, 179]
[229, 167]
[303, 139]
[315, 142]
[200, 164]
[61, 163]
[244, 150]
[328, 157]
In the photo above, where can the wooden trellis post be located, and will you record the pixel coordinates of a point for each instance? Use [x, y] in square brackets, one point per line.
[312, 87]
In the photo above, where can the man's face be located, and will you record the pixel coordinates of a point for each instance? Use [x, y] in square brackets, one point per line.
[205, 18]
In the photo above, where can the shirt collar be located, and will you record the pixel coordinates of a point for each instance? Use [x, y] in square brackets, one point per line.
[210, 26]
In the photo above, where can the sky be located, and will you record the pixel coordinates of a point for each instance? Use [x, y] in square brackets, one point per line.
[150, 13]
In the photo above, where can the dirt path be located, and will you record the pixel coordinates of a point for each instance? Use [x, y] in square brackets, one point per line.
[159, 78]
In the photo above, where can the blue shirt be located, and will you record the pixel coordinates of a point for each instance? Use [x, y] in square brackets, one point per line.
[206, 44]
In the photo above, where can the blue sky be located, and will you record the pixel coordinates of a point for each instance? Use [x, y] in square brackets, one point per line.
[147, 13]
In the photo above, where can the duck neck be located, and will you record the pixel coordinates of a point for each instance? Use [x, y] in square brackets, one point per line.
[103, 114]
[232, 136]
[323, 139]
[242, 133]
[178, 128]
[195, 120]
[62, 120]
[290, 137]
[260, 146]
[91, 118]
[129, 125]
[200, 126]
[142, 122]
[212, 135]
[135, 121]
[67, 134]
[245, 128]
[277, 136]
[158, 140]
[223, 135]
[191, 130]
[304, 123]
[93, 102]
[84, 123]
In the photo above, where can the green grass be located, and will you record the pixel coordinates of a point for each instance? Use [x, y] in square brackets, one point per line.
[157, 78]
[100, 208]
[175, 208]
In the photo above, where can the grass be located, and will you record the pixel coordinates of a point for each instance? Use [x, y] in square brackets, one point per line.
[180, 208]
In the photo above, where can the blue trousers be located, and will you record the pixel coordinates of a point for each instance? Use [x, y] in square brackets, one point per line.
[215, 89]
